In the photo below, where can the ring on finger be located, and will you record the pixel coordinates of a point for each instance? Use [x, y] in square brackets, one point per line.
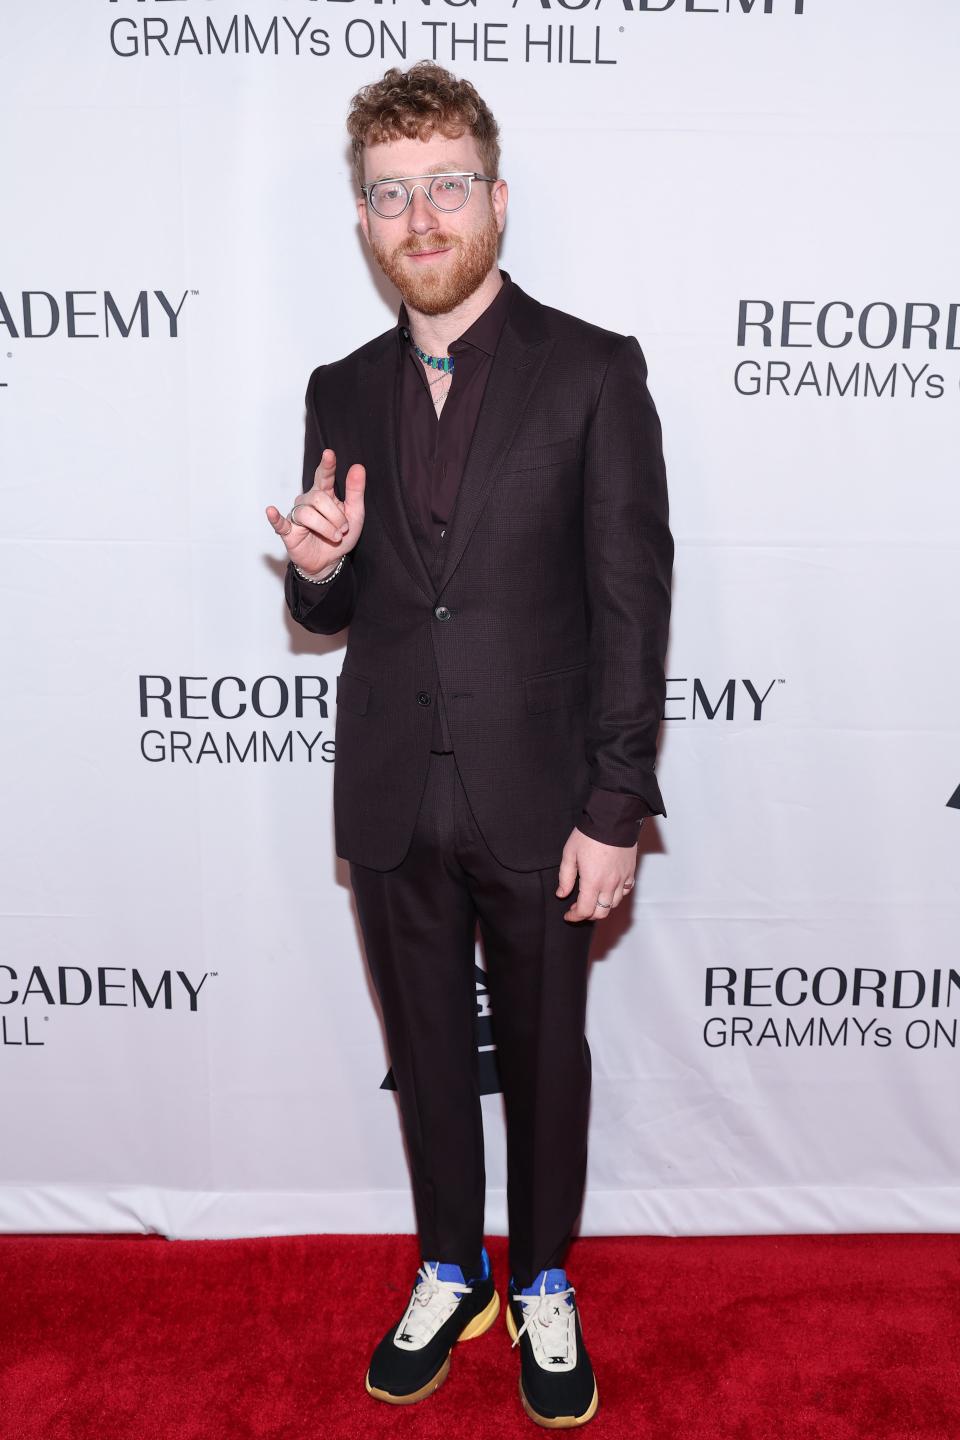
[604, 904]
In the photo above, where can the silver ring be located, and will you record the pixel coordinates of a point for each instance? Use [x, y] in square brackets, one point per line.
[605, 904]
[299, 506]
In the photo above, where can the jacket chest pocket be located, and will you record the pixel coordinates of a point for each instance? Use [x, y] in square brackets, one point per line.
[555, 689]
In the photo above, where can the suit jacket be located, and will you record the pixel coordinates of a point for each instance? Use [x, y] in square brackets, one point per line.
[547, 626]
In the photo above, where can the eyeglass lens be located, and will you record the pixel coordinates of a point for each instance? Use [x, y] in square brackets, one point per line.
[448, 192]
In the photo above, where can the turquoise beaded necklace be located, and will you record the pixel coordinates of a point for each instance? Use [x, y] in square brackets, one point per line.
[439, 362]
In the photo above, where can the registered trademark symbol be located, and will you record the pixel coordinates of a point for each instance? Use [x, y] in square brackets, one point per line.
[620, 28]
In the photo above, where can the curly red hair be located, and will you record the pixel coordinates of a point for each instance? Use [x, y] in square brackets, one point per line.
[416, 103]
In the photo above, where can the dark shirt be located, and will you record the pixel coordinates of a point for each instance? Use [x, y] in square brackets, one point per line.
[432, 451]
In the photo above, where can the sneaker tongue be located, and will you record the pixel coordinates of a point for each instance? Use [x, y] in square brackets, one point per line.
[446, 1271]
[556, 1280]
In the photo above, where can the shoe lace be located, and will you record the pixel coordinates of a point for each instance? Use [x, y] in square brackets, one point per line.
[551, 1317]
[433, 1301]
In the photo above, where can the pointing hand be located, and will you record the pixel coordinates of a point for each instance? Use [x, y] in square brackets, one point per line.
[324, 527]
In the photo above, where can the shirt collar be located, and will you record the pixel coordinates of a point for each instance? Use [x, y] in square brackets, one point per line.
[485, 330]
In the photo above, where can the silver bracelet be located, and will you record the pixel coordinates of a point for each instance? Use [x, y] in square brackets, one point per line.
[326, 581]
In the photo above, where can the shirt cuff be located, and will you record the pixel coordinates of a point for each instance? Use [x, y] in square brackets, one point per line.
[612, 817]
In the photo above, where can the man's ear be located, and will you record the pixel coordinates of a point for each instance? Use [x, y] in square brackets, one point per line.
[499, 198]
[362, 217]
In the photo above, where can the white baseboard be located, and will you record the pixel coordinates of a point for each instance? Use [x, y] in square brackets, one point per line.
[199, 1215]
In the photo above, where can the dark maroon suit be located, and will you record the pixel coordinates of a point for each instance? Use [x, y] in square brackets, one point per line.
[508, 604]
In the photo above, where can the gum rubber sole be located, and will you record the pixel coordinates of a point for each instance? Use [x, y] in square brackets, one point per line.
[476, 1327]
[552, 1422]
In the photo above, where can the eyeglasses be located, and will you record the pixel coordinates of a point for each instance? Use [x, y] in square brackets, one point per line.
[389, 198]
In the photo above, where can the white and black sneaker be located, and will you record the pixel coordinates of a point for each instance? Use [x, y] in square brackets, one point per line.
[413, 1358]
[557, 1384]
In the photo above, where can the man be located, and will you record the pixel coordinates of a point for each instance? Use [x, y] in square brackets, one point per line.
[488, 514]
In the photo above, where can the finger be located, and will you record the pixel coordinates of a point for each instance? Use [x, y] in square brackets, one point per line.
[584, 907]
[279, 522]
[324, 503]
[567, 873]
[353, 488]
[327, 503]
[601, 912]
[324, 474]
[310, 518]
[355, 482]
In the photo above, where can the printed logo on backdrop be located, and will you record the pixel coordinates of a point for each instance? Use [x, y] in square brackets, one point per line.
[831, 1008]
[871, 350]
[694, 698]
[89, 315]
[540, 32]
[29, 1000]
[270, 719]
[483, 1034]
[235, 720]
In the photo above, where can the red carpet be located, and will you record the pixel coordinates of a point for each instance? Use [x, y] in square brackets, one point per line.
[805, 1337]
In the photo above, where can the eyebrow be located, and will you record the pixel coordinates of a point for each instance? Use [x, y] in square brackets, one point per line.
[443, 168]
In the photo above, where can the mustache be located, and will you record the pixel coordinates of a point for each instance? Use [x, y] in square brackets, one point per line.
[442, 244]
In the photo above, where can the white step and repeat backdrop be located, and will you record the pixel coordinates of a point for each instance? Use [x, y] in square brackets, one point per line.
[765, 194]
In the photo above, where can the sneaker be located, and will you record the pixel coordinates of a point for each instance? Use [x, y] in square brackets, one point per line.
[413, 1358]
[557, 1385]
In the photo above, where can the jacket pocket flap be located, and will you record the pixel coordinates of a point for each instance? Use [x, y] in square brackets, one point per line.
[353, 692]
[530, 457]
[556, 688]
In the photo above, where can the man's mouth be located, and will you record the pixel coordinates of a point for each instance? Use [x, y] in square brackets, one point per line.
[426, 254]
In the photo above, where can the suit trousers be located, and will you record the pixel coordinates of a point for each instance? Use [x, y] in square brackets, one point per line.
[418, 923]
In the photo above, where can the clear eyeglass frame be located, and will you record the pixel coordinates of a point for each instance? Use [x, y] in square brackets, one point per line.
[468, 175]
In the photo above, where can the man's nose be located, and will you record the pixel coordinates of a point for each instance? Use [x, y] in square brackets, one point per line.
[421, 211]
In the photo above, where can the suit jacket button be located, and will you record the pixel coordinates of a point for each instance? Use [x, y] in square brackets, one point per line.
[442, 613]
[423, 698]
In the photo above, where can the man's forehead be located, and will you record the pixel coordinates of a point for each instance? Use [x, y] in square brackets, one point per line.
[441, 167]
[391, 158]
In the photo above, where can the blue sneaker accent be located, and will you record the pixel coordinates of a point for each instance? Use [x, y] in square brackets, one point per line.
[448, 1271]
[556, 1280]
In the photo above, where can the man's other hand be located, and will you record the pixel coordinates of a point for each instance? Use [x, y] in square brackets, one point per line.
[606, 874]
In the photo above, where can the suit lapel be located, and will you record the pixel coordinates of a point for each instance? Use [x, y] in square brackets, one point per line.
[519, 360]
[513, 376]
